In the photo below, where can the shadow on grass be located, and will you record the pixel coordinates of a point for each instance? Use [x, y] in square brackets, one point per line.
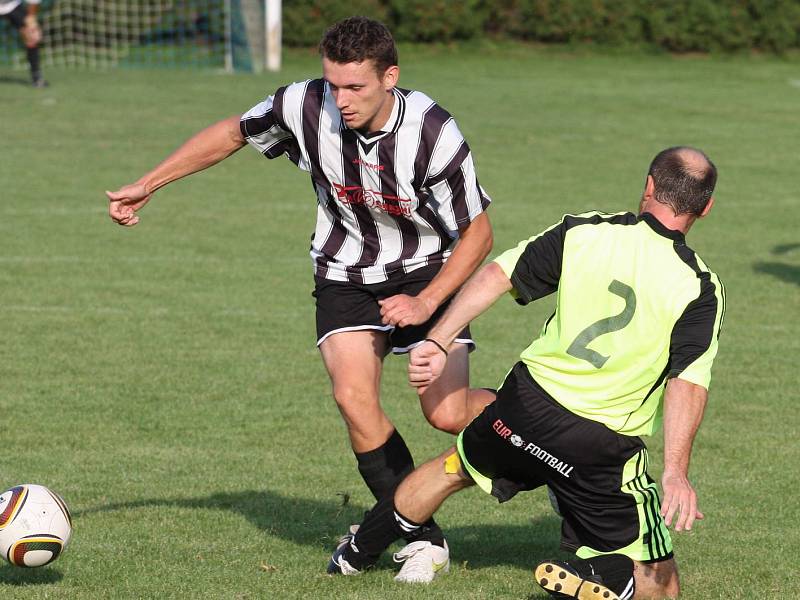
[785, 248]
[782, 271]
[8, 80]
[21, 577]
[319, 524]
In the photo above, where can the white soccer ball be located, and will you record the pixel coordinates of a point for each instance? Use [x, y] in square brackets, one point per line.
[35, 525]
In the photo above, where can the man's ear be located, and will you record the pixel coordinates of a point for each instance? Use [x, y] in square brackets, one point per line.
[391, 76]
[649, 188]
[707, 209]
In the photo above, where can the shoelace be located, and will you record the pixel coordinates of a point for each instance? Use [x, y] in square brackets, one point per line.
[416, 565]
[345, 539]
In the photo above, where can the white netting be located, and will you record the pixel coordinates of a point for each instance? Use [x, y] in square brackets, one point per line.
[170, 33]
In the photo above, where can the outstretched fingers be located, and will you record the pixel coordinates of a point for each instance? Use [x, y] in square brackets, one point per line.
[680, 504]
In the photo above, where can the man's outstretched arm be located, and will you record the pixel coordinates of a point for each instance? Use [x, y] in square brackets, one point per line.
[208, 147]
[684, 404]
[478, 294]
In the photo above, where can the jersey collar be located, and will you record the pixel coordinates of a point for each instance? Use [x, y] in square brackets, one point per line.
[392, 123]
[659, 227]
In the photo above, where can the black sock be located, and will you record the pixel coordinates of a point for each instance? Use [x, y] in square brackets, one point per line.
[384, 468]
[616, 571]
[383, 525]
[376, 533]
[33, 61]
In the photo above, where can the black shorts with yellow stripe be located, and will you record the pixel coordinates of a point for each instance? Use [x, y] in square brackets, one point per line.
[607, 501]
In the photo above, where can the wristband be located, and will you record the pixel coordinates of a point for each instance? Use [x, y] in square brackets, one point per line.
[437, 344]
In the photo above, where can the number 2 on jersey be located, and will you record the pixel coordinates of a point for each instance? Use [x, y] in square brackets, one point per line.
[579, 346]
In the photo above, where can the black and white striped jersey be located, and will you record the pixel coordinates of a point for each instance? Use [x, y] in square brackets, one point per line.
[388, 203]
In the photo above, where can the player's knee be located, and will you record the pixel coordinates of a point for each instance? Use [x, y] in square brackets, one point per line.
[658, 592]
[656, 580]
[449, 413]
[353, 399]
[672, 588]
[447, 421]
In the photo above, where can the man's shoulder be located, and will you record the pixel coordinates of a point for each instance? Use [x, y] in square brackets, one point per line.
[597, 217]
[696, 264]
[419, 104]
[304, 86]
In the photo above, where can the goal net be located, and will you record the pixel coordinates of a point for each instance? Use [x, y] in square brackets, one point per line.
[230, 34]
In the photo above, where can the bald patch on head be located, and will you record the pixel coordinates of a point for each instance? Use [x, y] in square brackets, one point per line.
[695, 162]
[684, 179]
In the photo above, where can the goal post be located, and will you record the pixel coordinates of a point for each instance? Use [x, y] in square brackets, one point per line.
[272, 34]
[235, 35]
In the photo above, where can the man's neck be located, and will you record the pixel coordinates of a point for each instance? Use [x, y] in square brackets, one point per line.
[667, 217]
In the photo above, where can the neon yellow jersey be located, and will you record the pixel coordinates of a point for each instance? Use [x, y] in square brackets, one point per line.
[635, 307]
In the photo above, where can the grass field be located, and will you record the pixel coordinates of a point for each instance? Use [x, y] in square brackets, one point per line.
[164, 379]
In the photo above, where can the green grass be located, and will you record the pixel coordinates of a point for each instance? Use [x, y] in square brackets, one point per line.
[164, 379]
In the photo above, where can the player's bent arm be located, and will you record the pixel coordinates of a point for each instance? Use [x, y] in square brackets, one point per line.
[474, 244]
[206, 148]
[427, 360]
[473, 299]
[684, 405]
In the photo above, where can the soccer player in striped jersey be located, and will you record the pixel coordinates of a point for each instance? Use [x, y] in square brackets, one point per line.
[401, 224]
[631, 344]
[22, 16]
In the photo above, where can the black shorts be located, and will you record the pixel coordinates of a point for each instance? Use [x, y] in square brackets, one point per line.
[606, 499]
[344, 306]
[17, 16]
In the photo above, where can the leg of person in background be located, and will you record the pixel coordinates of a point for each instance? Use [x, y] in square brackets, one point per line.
[30, 33]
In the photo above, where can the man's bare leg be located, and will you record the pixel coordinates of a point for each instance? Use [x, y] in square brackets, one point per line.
[449, 404]
[656, 580]
[354, 360]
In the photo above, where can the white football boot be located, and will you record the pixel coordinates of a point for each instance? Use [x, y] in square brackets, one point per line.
[422, 562]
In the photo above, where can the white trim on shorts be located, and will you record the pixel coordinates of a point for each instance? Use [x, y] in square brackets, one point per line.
[388, 328]
[354, 328]
[396, 350]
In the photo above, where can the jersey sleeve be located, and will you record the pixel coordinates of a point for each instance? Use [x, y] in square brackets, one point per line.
[452, 180]
[694, 339]
[265, 128]
[534, 266]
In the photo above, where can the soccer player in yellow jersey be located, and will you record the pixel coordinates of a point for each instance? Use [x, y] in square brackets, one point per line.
[630, 345]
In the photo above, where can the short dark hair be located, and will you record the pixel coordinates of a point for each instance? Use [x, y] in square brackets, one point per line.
[357, 39]
[684, 179]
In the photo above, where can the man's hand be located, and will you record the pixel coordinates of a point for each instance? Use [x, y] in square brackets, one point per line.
[403, 310]
[680, 500]
[425, 364]
[124, 203]
[31, 32]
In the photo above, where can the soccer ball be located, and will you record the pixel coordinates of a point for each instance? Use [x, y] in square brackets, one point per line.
[35, 525]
